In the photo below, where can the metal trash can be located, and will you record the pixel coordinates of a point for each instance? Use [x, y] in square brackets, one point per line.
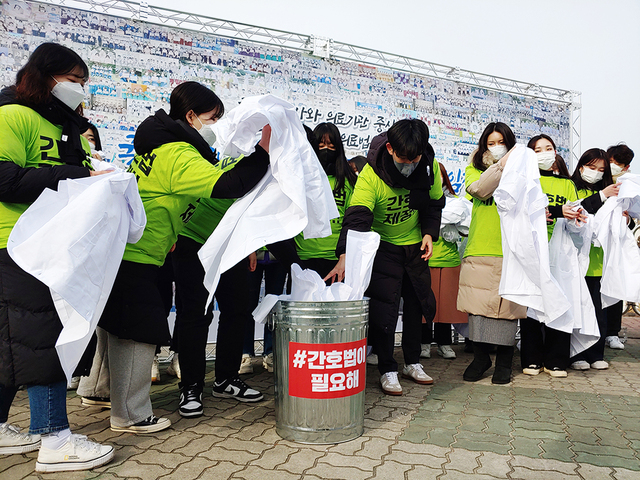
[320, 368]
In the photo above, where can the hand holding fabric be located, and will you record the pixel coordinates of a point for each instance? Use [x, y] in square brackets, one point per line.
[337, 274]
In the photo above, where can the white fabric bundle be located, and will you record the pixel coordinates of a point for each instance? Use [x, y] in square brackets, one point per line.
[621, 265]
[308, 286]
[569, 260]
[456, 218]
[294, 196]
[72, 240]
[526, 276]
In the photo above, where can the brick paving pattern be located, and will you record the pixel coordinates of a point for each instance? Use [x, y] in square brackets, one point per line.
[586, 426]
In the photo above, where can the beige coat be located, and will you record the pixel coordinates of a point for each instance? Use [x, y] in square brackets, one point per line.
[478, 292]
[480, 276]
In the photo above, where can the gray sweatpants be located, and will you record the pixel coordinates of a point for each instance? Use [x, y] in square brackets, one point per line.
[97, 383]
[130, 371]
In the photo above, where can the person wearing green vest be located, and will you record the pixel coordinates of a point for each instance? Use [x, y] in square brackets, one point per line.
[593, 180]
[174, 166]
[399, 196]
[319, 254]
[192, 323]
[445, 276]
[40, 144]
[493, 321]
[544, 348]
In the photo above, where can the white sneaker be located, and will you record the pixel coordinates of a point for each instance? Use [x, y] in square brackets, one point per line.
[13, 441]
[600, 365]
[372, 359]
[445, 351]
[614, 342]
[78, 453]
[267, 362]
[426, 350]
[174, 367]
[532, 369]
[416, 373]
[556, 372]
[581, 365]
[155, 370]
[245, 365]
[390, 383]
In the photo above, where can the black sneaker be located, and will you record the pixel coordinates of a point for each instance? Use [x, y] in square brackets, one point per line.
[149, 425]
[236, 388]
[191, 401]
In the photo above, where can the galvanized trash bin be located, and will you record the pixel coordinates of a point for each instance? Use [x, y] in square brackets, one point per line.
[320, 367]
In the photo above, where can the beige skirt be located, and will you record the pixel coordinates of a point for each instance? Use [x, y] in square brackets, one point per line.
[444, 284]
[478, 292]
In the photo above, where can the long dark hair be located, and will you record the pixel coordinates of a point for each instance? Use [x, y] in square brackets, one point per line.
[445, 178]
[587, 158]
[328, 131]
[193, 96]
[507, 135]
[48, 60]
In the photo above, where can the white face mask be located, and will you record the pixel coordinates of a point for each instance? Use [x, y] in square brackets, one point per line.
[616, 170]
[406, 169]
[591, 176]
[498, 151]
[69, 93]
[207, 133]
[546, 160]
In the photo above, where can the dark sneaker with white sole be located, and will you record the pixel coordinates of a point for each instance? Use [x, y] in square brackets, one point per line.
[236, 388]
[148, 425]
[191, 401]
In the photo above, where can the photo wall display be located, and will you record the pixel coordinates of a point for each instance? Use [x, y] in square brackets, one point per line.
[135, 65]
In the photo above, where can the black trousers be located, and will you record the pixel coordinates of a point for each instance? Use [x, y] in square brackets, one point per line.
[193, 324]
[614, 319]
[596, 351]
[543, 346]
[441, 333]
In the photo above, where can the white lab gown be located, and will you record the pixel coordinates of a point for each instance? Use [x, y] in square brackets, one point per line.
[621, 264]
[294, 196]
[72, 240]
[569, 260]
[526, 276]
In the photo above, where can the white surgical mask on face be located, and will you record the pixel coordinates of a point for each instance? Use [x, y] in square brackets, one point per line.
[546, 160]
[207, 133]
[406, 169]
[498, 151]
[591, 176]
[69, 93]
[616, 170]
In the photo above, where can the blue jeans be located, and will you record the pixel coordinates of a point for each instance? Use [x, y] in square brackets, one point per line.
[48, 404]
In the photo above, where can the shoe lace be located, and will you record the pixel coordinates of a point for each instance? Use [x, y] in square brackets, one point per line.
[82, 442]
[13, 431]
[191, 393]
[417, 367]
[392, 376]
[238, 382]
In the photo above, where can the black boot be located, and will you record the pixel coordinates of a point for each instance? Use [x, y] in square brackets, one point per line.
[480, 364]
[504, 359]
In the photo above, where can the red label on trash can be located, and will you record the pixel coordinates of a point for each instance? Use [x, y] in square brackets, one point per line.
[328, 370]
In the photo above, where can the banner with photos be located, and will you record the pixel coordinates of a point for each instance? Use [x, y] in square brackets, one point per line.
[134, 66]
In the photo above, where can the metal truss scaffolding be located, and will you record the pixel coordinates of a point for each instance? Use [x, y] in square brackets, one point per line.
[330, 49]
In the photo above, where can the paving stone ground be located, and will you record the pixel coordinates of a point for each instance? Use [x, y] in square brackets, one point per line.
[586, 426]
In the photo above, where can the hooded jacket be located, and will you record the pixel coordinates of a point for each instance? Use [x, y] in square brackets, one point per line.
[421, 186]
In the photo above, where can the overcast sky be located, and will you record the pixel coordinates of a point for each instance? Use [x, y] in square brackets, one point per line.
[592, 46]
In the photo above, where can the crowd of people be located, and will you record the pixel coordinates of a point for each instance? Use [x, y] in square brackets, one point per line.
[398, 191]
